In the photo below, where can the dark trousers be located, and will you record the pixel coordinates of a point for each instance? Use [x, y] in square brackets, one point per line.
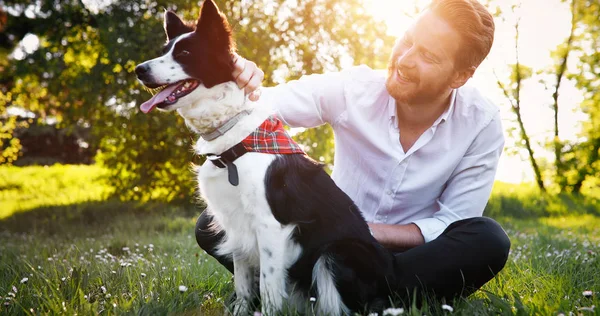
[461, 260]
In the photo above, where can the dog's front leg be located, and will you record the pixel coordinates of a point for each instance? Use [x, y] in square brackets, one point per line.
[275, 256]
[243, 277]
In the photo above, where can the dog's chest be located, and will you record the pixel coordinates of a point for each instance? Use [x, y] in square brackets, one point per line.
[243, 209]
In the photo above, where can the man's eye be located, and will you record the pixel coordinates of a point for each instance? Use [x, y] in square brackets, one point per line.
[182, 53]
[428, 55]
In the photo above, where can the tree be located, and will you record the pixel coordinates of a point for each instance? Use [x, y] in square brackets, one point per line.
[512, 92]
[582, 164]
[82, 72]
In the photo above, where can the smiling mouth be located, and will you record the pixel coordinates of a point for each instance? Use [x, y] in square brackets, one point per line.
[403, 77]
[169, 94]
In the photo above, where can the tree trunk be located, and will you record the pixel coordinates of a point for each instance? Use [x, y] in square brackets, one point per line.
[562, 67]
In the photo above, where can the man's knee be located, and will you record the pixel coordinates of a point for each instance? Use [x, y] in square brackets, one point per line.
[495, 240]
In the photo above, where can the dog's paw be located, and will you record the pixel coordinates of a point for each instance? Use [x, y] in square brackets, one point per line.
[241, 307]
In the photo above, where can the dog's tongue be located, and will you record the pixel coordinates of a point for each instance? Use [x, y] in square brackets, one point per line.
[158, 98]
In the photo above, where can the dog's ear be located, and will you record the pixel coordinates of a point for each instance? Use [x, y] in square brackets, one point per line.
[212, 22]
[174, 26]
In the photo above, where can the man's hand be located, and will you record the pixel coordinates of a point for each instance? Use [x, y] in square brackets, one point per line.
[397, 237]
[247, 76]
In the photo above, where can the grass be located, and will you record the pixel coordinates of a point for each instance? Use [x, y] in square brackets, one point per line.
[23, 189]
[109, 257]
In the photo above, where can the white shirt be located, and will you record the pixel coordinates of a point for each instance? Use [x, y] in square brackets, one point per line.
[447, 175]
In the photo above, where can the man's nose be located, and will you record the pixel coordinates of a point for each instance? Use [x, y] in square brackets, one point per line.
[407, 59]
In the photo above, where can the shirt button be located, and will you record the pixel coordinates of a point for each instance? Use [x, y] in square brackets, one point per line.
[389, 192]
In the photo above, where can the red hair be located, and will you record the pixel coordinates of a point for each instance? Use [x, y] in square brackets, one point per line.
[474, 24]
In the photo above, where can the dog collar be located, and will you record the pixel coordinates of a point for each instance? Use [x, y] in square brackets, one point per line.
[221, 130]
[270, 137]
[226, 159]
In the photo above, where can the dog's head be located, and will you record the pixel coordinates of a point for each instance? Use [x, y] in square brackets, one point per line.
[195, 58]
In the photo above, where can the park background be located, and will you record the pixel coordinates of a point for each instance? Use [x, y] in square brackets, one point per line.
[97, 200]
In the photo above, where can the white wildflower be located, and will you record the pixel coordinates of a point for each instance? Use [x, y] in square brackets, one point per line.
[447, 308]
[108, 295]
[11, 294]
[113, 272]
[373, 314]
[182, 288]
[312, 299]
[103, 288]
[24, 280]
[587, 293]
[63, 279]
[143, 274]
[393, 311]
[257, 314]
[14, 288]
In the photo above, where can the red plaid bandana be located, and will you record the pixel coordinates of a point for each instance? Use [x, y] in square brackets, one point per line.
[271, 138]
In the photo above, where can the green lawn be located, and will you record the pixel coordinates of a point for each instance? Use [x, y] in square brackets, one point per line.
[23, 189]
[108, 257]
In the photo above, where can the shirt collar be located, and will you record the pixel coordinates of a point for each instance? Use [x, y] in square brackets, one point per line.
[442, 118]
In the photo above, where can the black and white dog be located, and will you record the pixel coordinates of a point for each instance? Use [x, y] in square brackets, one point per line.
[285, 220]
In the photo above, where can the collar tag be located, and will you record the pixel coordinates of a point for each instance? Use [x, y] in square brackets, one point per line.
[232, 174]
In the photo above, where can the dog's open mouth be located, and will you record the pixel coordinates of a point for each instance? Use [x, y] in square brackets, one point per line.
[169, 94]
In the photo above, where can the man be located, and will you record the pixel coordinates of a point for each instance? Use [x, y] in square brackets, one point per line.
[417, 150]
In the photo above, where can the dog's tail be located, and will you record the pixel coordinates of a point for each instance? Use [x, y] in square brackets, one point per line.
[329, 300]
[354, 275]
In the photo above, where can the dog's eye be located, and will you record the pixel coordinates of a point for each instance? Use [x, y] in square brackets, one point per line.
[182, 53]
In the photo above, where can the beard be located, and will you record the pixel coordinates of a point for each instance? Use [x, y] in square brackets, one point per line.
[405, 85]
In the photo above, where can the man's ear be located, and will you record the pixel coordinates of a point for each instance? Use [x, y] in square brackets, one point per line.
[174, 26]
[462, 76]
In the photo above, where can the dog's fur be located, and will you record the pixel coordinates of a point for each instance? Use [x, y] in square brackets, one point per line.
[286, 222]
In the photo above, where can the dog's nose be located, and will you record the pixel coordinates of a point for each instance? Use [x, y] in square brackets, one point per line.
[141, 70]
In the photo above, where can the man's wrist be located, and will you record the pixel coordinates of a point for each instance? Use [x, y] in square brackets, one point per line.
[404, 236]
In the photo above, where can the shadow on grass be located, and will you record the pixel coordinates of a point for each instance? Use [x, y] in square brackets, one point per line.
[101, 217]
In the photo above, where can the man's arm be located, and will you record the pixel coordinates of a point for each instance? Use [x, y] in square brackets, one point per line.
[310, 101]
[465, 196]
[398, 237]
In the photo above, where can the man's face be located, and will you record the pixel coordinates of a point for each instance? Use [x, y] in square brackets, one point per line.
[421, 67]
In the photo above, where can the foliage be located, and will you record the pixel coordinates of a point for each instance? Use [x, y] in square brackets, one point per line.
[582, 163]
[82, 72]
[124, 258]
[576, 163]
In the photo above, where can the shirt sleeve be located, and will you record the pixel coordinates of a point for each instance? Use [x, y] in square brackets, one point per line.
[469, 188]
[311, 101]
